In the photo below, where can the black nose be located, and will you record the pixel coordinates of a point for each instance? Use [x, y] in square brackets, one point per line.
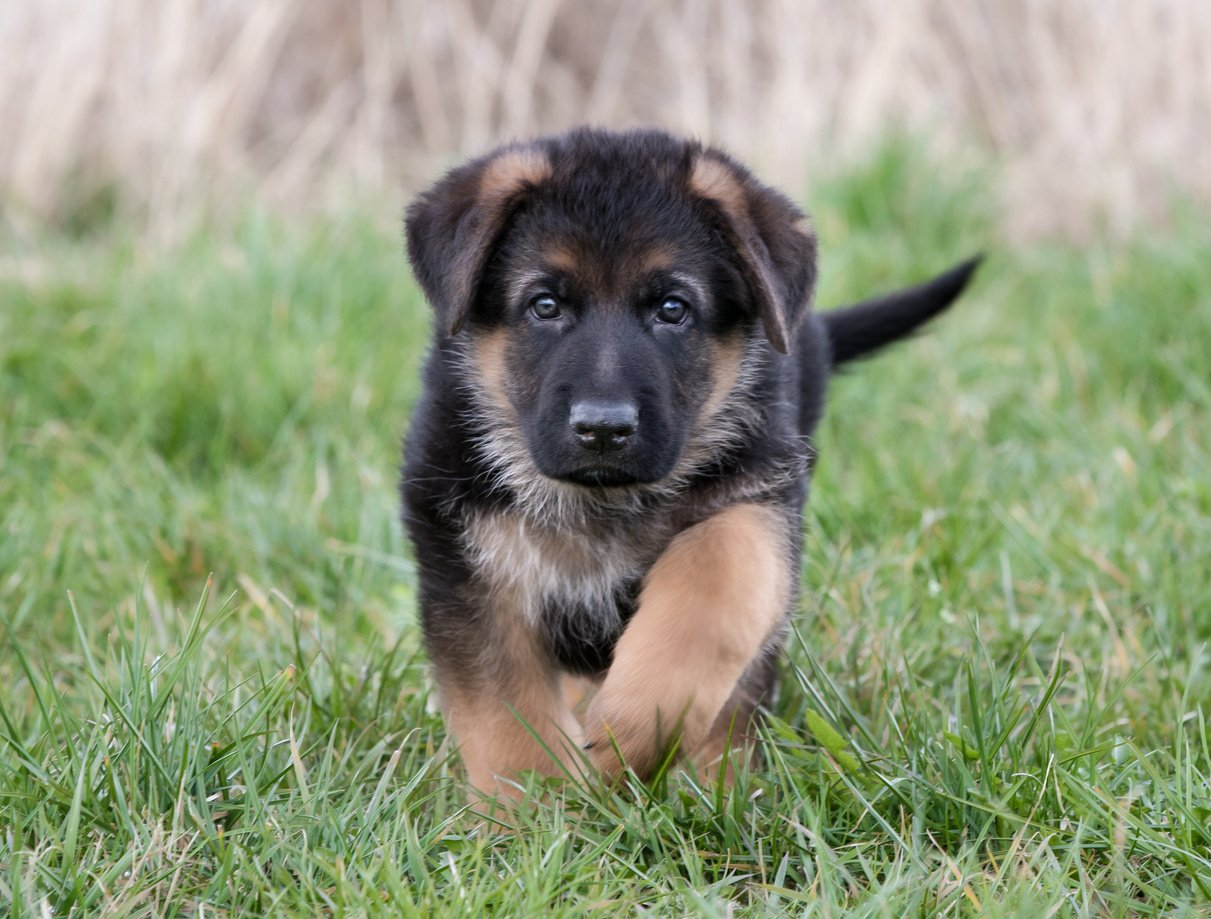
[604, 426]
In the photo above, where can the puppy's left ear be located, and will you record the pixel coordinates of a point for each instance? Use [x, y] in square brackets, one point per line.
[772, 239]
[453, 227]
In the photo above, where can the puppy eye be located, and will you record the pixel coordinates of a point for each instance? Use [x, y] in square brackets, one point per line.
[545, 307]
[672, 311]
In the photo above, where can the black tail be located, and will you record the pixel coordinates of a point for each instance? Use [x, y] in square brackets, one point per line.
[859, 330]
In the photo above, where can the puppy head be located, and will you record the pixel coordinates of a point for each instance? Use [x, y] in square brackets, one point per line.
[609, 286]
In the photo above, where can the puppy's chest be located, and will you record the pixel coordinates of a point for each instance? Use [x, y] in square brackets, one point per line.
[577, 587]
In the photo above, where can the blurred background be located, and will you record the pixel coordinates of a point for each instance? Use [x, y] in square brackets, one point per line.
[209, 350]
[1097, 113]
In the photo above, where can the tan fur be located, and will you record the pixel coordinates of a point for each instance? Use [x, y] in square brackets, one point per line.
[804, 226]
[501, 180]
[506, 174]
[577, 692]
[730, 740]
[496, 725]
[489, 355]
[715, 179]
[561, 258]
[534, 564]
[726, 356]
[707, 608]
[496, 743]
[657, 258]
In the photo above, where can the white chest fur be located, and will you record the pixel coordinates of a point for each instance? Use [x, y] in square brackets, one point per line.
[543, 567]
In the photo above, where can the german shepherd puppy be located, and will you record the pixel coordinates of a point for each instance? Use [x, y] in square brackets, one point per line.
[606, 472]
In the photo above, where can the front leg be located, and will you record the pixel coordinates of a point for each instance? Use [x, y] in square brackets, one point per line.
[501, 696]
[708, 608]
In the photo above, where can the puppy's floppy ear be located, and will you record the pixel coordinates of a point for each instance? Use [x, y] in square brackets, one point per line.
[772, 238]
[452, 228]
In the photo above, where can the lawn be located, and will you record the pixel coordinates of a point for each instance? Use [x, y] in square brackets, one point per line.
[212, 695]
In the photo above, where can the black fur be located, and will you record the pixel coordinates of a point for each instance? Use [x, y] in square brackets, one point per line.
[862, 329]
[560, 396]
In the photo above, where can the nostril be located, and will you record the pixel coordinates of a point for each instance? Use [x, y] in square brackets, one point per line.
[604, 425]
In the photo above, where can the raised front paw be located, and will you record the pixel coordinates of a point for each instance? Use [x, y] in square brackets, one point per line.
[708, 607]
[624, 727]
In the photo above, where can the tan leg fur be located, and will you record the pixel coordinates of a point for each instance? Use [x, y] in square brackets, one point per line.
[706, 609]
[502, 726]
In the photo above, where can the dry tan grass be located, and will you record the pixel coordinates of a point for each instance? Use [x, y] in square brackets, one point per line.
[1098, 109]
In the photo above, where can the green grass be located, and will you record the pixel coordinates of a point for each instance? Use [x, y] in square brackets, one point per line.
[996, 702]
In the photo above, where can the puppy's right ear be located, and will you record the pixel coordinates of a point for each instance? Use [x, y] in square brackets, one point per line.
[452, 228]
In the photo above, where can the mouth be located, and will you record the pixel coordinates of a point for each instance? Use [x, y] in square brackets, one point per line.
[600, 477]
